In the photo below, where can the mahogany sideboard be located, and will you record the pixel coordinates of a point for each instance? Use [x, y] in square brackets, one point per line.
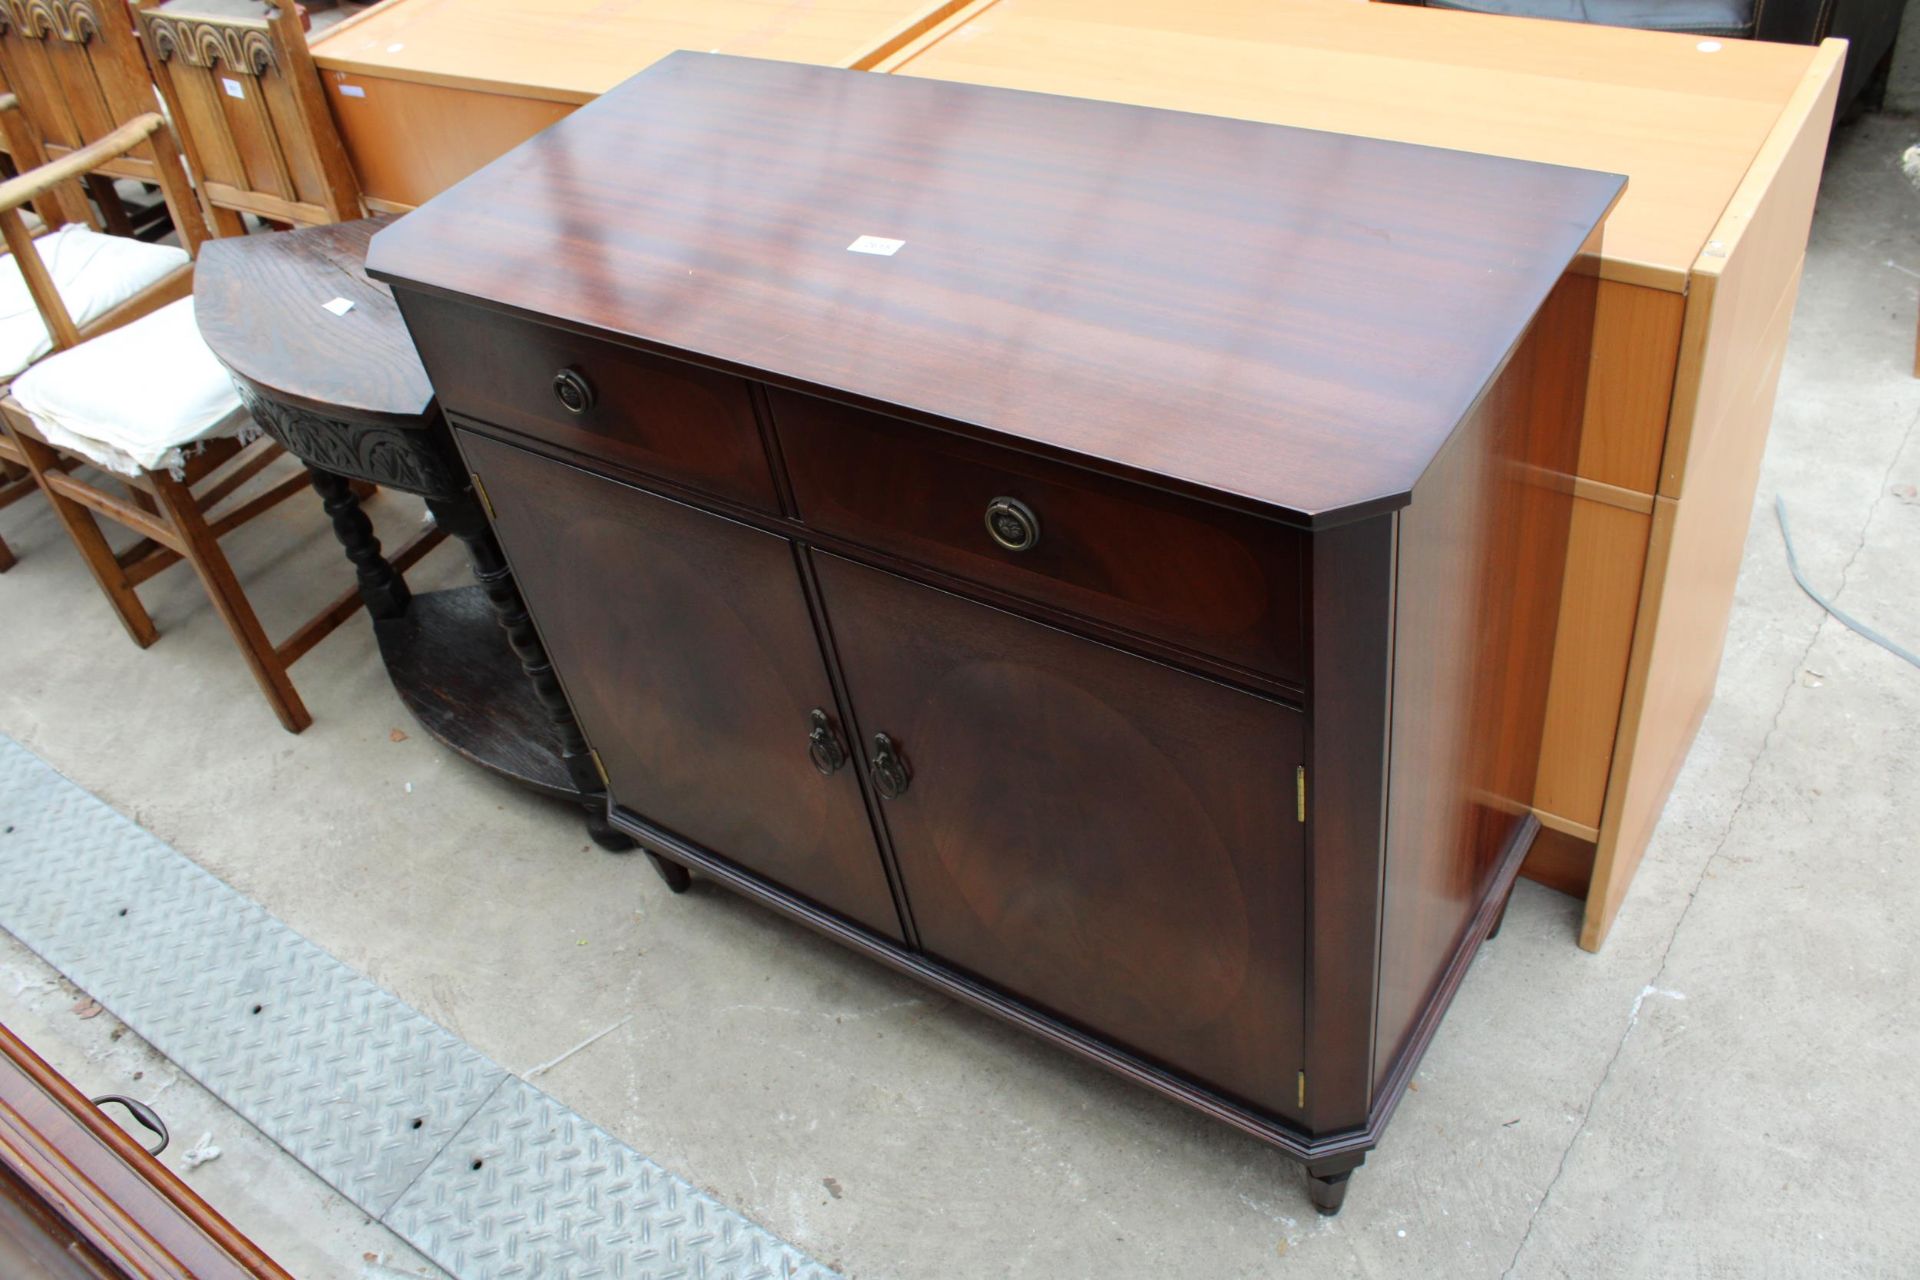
[1100, 561]
[1722, 143]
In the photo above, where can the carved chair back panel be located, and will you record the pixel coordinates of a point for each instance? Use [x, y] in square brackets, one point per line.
[251, 113]
[79, 73]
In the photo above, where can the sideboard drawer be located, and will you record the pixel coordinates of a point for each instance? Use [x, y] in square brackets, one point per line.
[663, 417]
[1182, 572]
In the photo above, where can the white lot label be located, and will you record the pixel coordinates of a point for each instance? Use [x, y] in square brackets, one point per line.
[879, 245]
[234, 88]
[339, 306]
[352, 91]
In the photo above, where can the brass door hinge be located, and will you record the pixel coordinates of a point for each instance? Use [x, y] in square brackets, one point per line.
[479, 487]
[1303, 1089]
[1300, 792]
[600, 769]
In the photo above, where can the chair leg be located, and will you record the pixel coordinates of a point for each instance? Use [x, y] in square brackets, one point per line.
[223, 588]
[7, 560]
[86, 535]
[226, 222]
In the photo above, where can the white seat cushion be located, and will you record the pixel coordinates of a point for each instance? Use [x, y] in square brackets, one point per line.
[94, 274]
[133, 398]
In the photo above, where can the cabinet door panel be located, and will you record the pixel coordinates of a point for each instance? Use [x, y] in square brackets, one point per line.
[1098, 834]
[687, 649]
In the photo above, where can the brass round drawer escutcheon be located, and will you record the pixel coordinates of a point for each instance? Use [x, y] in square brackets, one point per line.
[573, 391]
[1012, 524]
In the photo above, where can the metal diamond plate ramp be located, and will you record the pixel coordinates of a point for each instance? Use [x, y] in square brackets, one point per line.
[355, 1084]
[531, 1189]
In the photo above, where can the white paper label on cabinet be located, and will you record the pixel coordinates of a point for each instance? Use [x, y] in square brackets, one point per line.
[352, 91]
[339, 306]
[878, 245]
[233, 87]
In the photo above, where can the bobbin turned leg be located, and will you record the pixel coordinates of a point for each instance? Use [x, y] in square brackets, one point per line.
[462, 517]
[381, 586]
[1327, 1182]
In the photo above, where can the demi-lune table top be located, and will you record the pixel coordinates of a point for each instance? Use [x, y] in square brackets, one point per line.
[271, 308]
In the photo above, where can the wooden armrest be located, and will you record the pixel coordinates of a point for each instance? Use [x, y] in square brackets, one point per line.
[15, 192]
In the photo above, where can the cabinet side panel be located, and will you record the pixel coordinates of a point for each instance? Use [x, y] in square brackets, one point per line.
[1692, 564]
[408, 142]
[1481, 558]
[1739, 309]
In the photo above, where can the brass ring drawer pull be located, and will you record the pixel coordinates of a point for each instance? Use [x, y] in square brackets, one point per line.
[823, 744]
[890, 776]
[1012, 524]
[573, 391]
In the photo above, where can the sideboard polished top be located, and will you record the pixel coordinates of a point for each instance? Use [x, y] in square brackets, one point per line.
[1280, 319]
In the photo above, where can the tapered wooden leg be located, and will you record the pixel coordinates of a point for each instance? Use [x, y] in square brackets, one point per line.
[463, 518]
[7, 560]
[92, 544]
[1327, 1182]
[676, 876]
[223, 588]
[1500, 918]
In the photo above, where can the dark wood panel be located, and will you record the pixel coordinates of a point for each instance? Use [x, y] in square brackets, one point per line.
[1481, 556]
[661, 417]
[1184, 572]
[689, 655]
[1292, 319]
[1107, 838]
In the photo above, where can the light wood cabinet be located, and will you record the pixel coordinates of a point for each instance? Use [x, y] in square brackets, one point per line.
[427, 91]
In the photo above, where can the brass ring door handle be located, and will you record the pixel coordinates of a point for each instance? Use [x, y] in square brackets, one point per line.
[1012, 524]
[573, 391]
[823, 744]
[890, 776]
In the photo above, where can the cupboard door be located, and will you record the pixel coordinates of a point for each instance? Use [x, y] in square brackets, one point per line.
[687, 649]
[1102, 836]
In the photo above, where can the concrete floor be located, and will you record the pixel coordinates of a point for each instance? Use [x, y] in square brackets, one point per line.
[1720, 1092]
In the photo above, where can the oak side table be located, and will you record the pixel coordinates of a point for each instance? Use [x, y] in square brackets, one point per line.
[325, 366]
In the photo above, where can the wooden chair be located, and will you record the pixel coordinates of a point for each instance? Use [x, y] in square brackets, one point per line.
[250, 110]
[146, 403]
[104, 283]
[79, 73]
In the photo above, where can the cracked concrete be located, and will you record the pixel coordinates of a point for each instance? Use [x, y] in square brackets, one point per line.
[1719, 1092]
